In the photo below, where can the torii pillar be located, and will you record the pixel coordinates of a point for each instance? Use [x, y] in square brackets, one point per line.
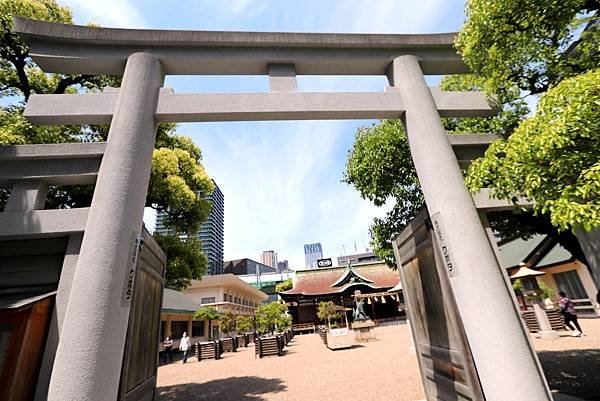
[91, 369]
[501, 349]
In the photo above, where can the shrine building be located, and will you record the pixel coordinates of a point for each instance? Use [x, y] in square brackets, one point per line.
[378, 285]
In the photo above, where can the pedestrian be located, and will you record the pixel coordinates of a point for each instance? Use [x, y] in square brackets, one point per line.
[567, 309]
[185, 345]
[167, 345]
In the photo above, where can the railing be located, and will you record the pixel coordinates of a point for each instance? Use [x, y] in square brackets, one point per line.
[391, 321]
[304, 327]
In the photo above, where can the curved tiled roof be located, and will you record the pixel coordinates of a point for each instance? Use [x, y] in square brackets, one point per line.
[320, 281]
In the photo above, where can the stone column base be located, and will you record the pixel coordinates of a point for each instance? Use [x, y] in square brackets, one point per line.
[548, 335]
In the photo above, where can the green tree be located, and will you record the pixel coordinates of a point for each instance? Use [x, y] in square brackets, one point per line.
[178, 180]
[326, 312]
[532, 46]
[244, 324]
[552, 157]
[209, 314]
[185, 260]
[380, 166]
[547, 291]
[227, 322]
[284, 285]
[271, 317]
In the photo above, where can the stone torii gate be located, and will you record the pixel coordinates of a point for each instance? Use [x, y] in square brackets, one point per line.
[88, 358]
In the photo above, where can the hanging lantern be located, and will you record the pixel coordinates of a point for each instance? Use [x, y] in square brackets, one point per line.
[369, 301]
[375, 299]
[397, 298]
[383, 299]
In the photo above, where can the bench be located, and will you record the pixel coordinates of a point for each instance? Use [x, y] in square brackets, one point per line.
[272, 345]
[243, 340]
[229, 344]
[323, 335]
[302, 327]
[208, 350]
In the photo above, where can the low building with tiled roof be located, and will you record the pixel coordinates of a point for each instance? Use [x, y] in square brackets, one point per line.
[339, 285]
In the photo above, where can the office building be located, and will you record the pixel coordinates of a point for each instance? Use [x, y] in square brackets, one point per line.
[365, 257]
[211, 234]
[312, 252]
[283, 266]
[246, 266]
[269, 258]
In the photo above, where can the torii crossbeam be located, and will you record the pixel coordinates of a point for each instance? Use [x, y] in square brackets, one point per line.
[86, 366]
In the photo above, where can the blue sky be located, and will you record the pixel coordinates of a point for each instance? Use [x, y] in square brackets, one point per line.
[281, 180]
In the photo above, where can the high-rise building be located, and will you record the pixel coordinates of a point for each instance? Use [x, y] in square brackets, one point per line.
[312, 252]
[283, 266]
[246, 266]
[211, 234]
[269, 258]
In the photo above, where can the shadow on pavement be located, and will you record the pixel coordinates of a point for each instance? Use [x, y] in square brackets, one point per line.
[573, 372]
[247, 388]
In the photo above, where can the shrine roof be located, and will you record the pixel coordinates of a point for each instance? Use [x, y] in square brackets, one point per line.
[322, 281]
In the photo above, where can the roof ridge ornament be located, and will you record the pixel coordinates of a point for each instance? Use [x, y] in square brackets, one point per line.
[350, 276]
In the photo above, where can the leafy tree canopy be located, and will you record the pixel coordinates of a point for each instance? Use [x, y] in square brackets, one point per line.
[244, 324]
[227, 322]
[531, 45]
[209, 314]
[380, 166]
[284, 285]
[178, 180]
[271, 317]
[185, 260]
[327, 313]
[552, 157]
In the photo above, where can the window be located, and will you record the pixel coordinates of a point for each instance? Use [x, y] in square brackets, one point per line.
[529, 283]
[197, 329]
[224, 297]
[177, 329]
[230, 298]
[570, 283]
[235, 300]
[209, 300]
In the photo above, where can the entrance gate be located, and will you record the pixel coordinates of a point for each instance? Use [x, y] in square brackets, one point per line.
[87, 367]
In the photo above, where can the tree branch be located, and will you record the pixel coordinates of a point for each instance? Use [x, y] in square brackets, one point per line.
[70, 80]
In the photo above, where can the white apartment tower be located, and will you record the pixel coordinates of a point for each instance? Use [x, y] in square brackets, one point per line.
[312, 252]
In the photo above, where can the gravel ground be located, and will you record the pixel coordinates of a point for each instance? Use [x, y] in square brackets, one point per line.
[375, 371]
[572, 364]
[380, 371]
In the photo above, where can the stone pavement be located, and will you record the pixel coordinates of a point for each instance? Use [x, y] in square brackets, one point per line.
[378, 371]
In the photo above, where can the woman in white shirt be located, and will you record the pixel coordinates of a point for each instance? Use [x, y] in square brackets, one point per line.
[184, 345]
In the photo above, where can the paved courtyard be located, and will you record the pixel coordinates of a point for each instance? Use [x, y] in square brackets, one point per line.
[379, 371]
[375, 371]
[572, 364]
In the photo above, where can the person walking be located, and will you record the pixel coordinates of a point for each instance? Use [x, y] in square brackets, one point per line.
[185, 345]
[567, 309]
[167, 345]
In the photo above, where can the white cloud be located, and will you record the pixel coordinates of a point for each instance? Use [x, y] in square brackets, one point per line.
[281, 180]
[107, 13]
